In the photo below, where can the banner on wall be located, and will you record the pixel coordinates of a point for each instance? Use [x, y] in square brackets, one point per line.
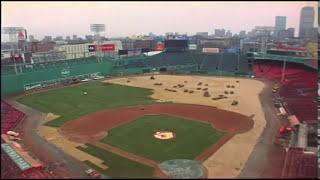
[210, 50]
[106, 47]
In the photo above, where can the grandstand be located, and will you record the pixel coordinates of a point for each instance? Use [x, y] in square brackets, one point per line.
[299, 164]
[298, 91]
[14, 164]
[10, 117]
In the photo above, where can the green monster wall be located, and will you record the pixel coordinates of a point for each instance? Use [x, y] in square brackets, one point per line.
[14, 83]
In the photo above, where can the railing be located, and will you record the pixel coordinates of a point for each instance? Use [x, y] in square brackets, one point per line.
[301, 60]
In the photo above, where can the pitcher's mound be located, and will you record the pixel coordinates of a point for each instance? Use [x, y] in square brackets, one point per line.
[164, 135]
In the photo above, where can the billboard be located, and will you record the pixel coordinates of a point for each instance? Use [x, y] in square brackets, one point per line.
[143, 50]
[160, 47]
[210, 50]
[232, 50]
[106, 47]
[92, 48]
[176, 43]
[122, 52]
[287, 48]
[192, 46]
[134, 52]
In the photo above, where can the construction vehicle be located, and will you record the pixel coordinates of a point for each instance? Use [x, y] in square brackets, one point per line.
[12, 133]
[93, 174]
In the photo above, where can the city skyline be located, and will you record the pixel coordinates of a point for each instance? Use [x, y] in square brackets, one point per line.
[137, 18]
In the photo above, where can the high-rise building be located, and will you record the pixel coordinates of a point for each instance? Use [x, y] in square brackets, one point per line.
[89, 37]
[202, 34]
[306, 22]
[47, 38]
[219, 32]
[58, 38]
[74, 37]
[280, 24]
[242, 34]
[290, 32]
[228, 34]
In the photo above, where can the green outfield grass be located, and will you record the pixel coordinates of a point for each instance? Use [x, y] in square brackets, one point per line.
[118, 167]
[192, 137]
[71, 103]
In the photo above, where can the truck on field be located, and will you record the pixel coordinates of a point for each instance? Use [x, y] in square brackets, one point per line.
[93, 174]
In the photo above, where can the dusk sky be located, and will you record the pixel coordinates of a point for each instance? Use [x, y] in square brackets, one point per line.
[128, 18]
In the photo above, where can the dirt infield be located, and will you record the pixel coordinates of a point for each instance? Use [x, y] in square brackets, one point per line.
[94, 126]
[229, 160]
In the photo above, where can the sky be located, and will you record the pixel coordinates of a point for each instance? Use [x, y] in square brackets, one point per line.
[137, 18]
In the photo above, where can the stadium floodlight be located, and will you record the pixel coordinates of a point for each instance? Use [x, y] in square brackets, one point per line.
[97, 29]
[12, 32]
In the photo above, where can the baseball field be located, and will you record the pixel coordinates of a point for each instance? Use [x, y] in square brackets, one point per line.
[113, 126]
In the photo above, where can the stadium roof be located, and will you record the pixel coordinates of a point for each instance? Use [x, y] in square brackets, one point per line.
[22, 164]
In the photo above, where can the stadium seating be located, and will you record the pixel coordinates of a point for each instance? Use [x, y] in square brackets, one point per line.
[299, 164]
[36, 173]
[299, 88]
[211, 63]
[229, 62]
[9, 170]
[169, 59]
[10, 117]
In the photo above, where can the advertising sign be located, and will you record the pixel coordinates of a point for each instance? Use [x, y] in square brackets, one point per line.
[176, 43]
[210, 50]
[92, 48]
[192, 46]
[232, 50]
[122, 52]
[160, 47]
[134, 52]
[143, 50]
[287, 48]
[106, 47]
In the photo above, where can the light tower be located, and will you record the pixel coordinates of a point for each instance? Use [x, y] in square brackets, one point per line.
[12, 32]
[97, 29]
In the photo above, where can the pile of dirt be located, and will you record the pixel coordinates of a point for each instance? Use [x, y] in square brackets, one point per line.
[171, 90]
[206, 94]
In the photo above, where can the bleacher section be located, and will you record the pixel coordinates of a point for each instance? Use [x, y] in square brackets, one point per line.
[10, 117]
[13, 165]
[36, 173]
[170, 59]
[299, 88]
[9, 170]
[299, 164]
[299, 92]
[209, 63]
